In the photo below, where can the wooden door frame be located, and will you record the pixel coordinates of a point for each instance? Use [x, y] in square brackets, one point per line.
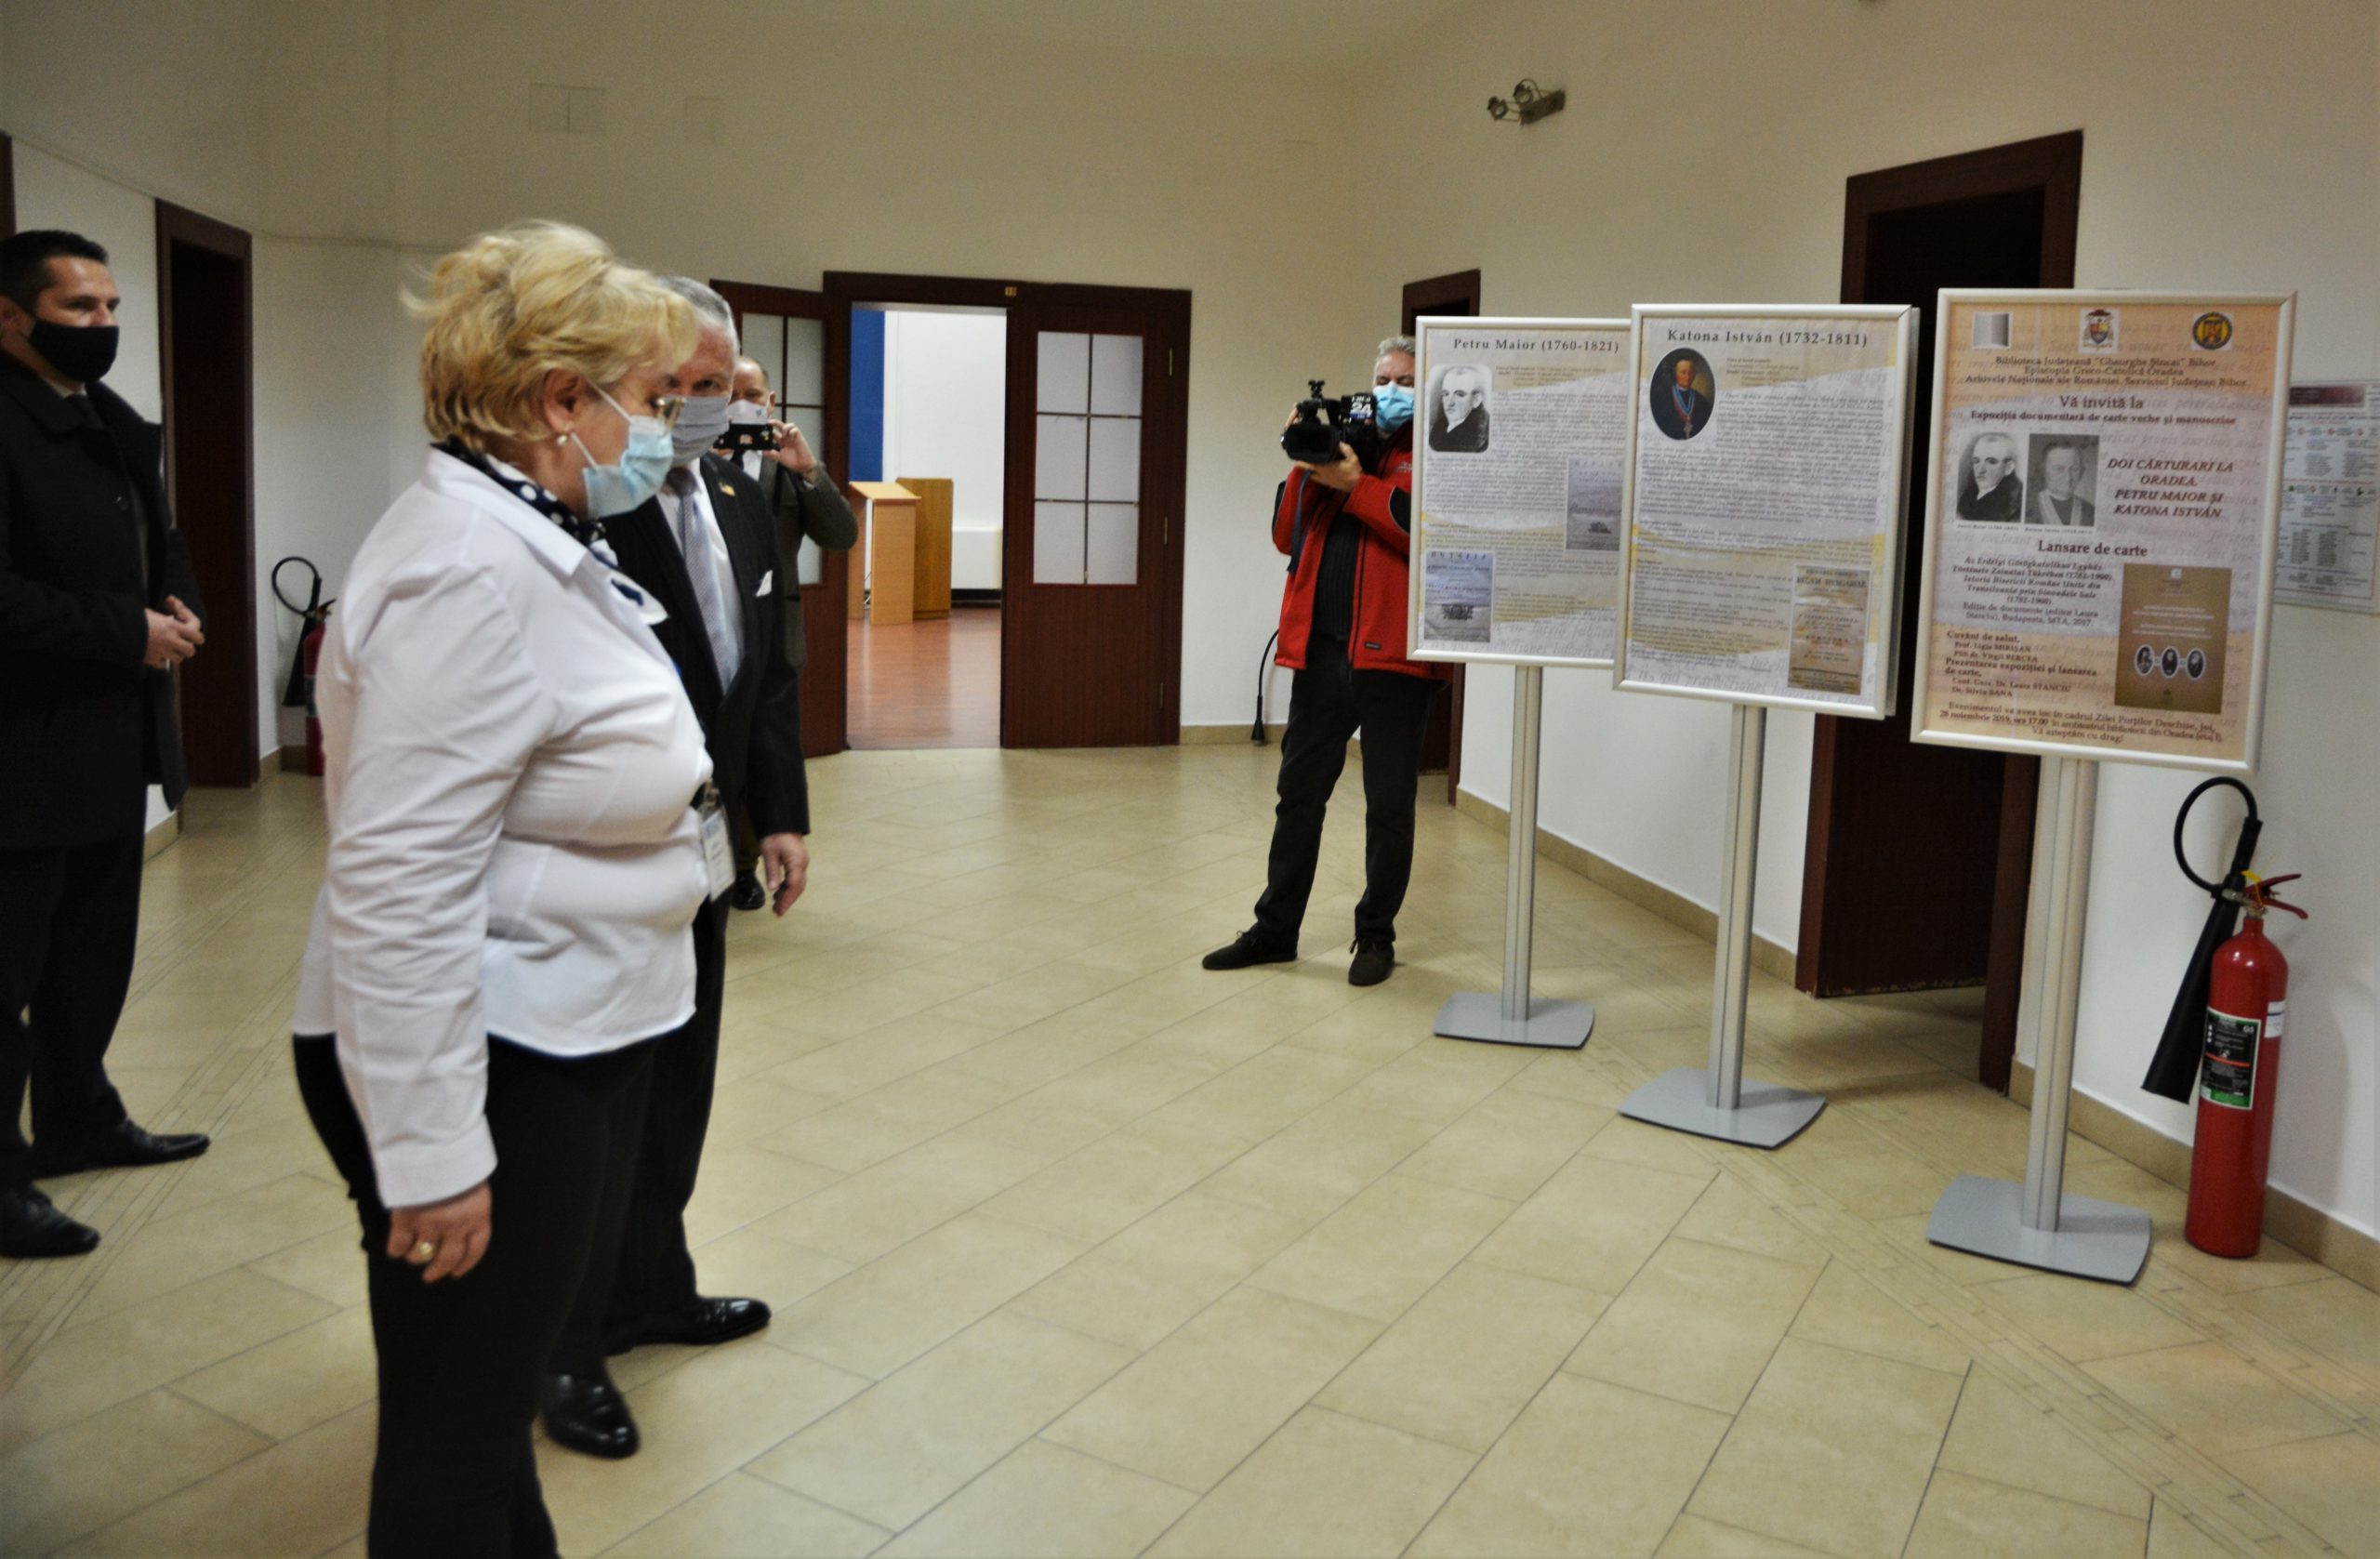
[825, 697]
[1431, 295]
[846, 288]
[178, 225]
[2054, 165]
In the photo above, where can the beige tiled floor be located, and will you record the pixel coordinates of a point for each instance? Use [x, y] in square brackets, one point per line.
[1079, 1249]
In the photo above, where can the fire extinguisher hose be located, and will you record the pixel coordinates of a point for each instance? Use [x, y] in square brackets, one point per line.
[2173, 1070]
[293, 695]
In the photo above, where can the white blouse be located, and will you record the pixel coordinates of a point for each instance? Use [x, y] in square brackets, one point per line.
[511, 763]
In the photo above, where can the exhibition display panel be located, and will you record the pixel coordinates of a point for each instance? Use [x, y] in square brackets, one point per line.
[1517, 471]
[1760, 566]
[2102, 522]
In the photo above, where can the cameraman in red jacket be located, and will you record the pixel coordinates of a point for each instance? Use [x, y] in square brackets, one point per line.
[1346, 530]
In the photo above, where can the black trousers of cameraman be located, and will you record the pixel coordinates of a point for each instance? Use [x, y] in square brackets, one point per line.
[1329, 701]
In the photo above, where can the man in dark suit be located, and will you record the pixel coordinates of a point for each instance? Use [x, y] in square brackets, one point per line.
[97, 606]
[1682, 407]
[2058, 502]
[1991, 490]
[707, 550]
[809, 507]
[1458, 422]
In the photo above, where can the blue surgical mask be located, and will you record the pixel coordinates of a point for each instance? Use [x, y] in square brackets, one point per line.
[1393, 406]
[698, 427]
[630, 482]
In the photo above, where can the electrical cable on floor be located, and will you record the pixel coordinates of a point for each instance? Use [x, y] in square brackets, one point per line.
[1264, 666]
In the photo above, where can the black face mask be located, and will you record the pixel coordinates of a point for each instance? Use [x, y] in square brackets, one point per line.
[83, 354]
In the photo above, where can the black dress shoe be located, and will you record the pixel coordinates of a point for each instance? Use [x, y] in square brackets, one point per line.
[121, 1146]
[748, 893]
[31, 1226]
[1371, 963]
[588, 1413]
[1246, 951]
[698, 1325]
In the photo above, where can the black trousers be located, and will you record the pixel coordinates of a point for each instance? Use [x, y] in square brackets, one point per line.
[461, 1360]
[655, 1272]
[70, 916]
[1330, 701]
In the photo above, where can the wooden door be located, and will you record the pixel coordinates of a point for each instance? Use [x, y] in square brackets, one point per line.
[785, 329]
[206, 353]
[1919, 858]
[1091, 638]
[1456, 294]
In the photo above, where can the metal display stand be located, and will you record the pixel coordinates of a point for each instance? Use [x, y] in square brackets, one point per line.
[2036, 1224]
[1513, 1019]
[1716, 1101]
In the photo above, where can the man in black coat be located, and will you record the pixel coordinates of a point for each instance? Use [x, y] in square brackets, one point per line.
[707, 550]
[1991, 490]
[97, 606]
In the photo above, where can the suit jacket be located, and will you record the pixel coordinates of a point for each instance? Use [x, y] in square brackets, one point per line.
[818, 511]
[87, 547]
[2044, 512]
[1468, 437]
[2004, 505]
[753, 726]
[1665, 413]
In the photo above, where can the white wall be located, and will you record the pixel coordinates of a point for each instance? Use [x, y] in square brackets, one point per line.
[2250, 166]
[1057, 158]
[946, 373]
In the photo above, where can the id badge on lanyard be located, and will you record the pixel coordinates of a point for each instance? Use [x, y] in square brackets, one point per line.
[719, 852]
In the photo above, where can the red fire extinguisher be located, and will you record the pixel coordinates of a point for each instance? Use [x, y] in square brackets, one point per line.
[315, 614]
[2247, 1008]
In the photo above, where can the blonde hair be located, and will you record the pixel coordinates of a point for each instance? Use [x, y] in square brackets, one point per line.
[512, 306]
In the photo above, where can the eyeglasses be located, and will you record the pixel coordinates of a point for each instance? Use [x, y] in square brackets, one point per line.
[668, 408]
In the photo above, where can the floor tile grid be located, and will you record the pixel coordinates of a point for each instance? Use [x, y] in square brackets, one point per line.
[1620, 1062]
[44, 1294]
[2217, 1501]
[1468, 1256]
[1352, 1083]
[2202, 1475]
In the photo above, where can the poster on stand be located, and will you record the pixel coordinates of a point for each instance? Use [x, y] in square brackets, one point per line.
[2101, 519]
[1520, 432]
[1767, 473]
[2329, 499]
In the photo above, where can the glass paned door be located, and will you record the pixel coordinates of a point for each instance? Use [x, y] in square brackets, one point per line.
[1087, 458]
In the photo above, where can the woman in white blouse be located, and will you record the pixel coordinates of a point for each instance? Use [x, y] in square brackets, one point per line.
[516, 852]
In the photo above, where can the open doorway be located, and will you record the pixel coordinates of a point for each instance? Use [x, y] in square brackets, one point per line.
[1920, 858]
[928, 386]
[1096, 427]
[206, 348]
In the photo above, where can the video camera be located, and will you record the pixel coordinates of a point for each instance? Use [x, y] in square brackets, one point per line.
[1325, 422]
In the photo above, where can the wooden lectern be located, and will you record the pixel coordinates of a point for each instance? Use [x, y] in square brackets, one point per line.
[884, 586]
[935, 498]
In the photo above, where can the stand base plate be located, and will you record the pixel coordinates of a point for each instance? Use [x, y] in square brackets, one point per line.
[1551, 1026]
[2102, 1240]
[1769, 1115]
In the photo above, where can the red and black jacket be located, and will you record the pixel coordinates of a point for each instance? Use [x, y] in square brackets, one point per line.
[1382, 501]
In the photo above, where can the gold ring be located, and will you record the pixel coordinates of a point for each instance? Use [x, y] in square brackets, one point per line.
[424, 1251]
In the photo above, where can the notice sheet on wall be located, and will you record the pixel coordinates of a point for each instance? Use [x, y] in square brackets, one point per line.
[2101, 514]
[2329, 499]
[1521, 429]
[1768, 474]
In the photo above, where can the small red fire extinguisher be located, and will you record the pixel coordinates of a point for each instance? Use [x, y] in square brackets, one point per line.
[315, 614]
[2247, 1008]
